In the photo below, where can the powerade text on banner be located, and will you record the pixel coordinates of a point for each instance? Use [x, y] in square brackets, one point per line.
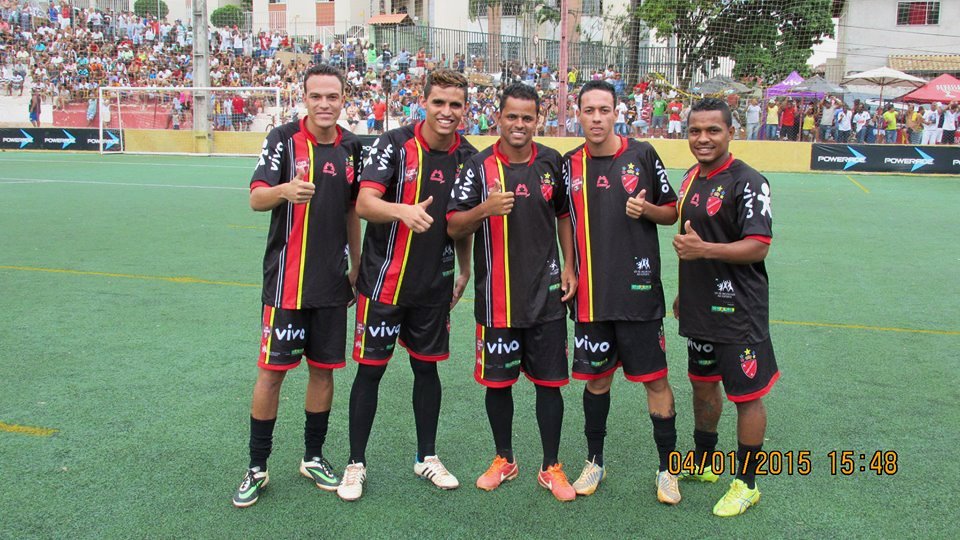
[70, 139]
[899, 158]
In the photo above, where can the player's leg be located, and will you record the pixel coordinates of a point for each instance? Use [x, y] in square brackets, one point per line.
[497, 367]
[595, 359]
[544, 362]
[326, 340]
[704, 374]
[425, 333]
[376, 330]
[749, 372]
[281, 347]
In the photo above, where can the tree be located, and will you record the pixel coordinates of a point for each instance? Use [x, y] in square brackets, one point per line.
[152, 8]
[764, 37]
[226, 16]
[494, 14]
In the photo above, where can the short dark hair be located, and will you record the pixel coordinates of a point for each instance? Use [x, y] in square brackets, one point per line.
[519, 91]
[445, 78]
[714, 104]
[328, 70]
[597, 85]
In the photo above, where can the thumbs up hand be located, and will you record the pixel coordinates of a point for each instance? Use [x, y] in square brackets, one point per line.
[689, 246]
[297, 190]
[415, 216]
[498, 203]
[636, 206]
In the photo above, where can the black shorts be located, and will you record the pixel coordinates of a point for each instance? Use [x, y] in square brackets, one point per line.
[423, 331]
[540, 351]
[748, 370]
[378, 125]
[639, 346]
[289, 334]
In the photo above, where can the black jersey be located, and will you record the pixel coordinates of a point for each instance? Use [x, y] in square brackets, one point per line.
[400, 267]
[306, 260]
[517, 269]
[722, 302]
[618, 257]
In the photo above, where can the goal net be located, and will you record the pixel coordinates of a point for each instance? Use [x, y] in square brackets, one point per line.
[174, 120]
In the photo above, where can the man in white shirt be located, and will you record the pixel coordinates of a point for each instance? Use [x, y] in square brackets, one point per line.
[950, 115]
[930, 120]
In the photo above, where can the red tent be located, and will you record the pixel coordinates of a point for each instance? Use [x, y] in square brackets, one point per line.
[945, 88]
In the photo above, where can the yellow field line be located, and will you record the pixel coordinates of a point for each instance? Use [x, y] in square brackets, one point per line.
[867, 327]
[171, 279]
[859, 185]
[27, 430]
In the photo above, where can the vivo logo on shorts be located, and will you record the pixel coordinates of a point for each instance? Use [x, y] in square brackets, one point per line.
[383, 330]
[503, 348]
[700, 347]
[290, 333]
[587, 345]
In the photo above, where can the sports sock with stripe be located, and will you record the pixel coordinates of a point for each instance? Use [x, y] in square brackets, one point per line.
[596, 408]
[499, 402]
[426, 406]
[261, 441]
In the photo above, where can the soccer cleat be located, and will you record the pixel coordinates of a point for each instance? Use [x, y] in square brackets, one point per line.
[351, 488]
[668, 492]
[738, 498]
[251, 486]
[589, 479]
[433, 470]
[321, 472]
[498, 472]
[706, 475]
[556, 481]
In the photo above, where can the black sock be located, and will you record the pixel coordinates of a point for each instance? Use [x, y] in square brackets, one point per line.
[426, 406]
[665, 435]
[596, 407]
[499, 403]
[747, 463]
[261, 441]
[550, 421]
[705, 445]
[314, 433]
[363, 407]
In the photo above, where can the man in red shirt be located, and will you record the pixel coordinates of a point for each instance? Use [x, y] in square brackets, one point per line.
[238, 114]
[379, 113]
[788, 121]
[675, 127]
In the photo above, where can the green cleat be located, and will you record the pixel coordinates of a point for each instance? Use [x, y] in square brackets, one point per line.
[738, 498]
[251, 486]
[321, 472]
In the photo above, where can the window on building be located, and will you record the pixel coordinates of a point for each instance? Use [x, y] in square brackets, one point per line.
[508, 8]
[592, 8]
[918, 13]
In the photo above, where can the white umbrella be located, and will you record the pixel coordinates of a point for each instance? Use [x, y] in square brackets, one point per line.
[884, 77]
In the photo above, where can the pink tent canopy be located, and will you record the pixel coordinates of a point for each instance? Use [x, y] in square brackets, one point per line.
[945, 88]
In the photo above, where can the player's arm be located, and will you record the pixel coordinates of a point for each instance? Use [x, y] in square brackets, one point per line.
[568, 277]
[372, 207]
[463, 247]
[462, 224]
[264, 197]
[353, 242]
[639, 207]
[690, 247]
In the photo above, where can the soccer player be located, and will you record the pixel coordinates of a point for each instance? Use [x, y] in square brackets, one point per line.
[723, 298]
[406, 285]
[305, 177]
[619, 193]
[512, 198]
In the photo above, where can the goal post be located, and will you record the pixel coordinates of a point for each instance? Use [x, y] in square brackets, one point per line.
[159, 119]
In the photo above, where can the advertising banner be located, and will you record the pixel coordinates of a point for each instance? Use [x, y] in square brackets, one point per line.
[898, 158]
[70, 139]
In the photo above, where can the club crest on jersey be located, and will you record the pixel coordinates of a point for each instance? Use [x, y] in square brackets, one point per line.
[546, 186]
[576, 184]
[629, 178]
[522, 190]
[328, 168]
[410, 175]
[662, 339]
[748, 363]
[348, 167]
[360, 329]
[303, 167]
[436, 176]
[715, 200]
[602, 182]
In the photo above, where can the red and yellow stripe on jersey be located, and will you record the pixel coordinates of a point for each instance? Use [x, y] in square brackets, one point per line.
[266, 340]
[393, 280]
[360, 334]
[499, 250]
[578, 170]
[296, 252]
[688, 180]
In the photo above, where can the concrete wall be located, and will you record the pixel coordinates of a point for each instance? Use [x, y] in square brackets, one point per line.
[869, 33]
